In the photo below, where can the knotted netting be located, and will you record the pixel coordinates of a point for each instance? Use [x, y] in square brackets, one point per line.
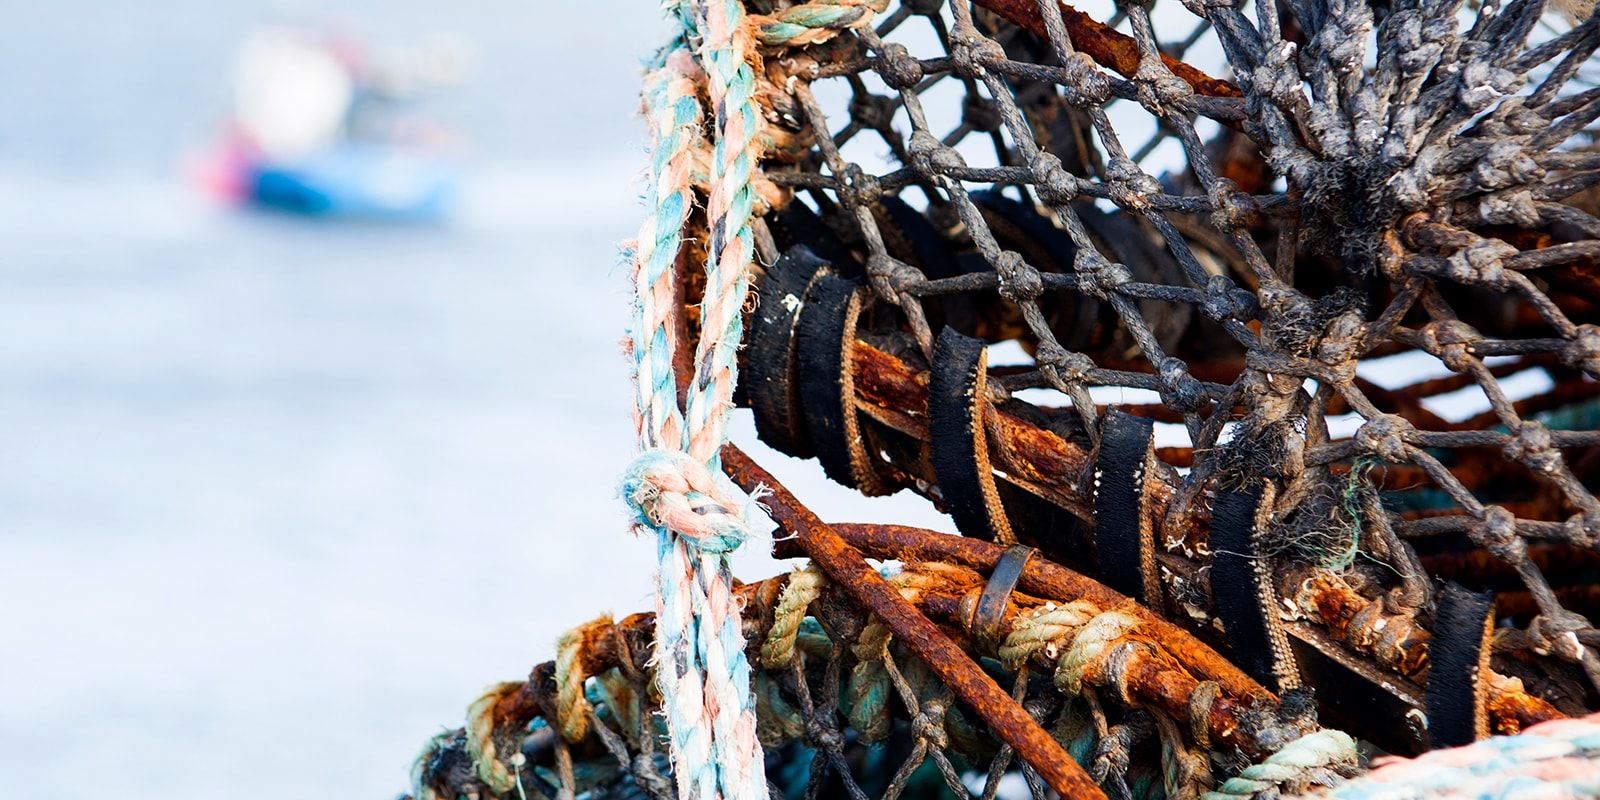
[1385, 223]
[1253, 348]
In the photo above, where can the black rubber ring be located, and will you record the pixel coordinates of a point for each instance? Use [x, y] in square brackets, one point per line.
[955, 444]
[1122, 539]
[1458, 654]
[1238, 584]
[769, 375]
[820, 369]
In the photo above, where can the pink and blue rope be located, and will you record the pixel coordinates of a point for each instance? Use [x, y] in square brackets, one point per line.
[702, 670]
[700, 659]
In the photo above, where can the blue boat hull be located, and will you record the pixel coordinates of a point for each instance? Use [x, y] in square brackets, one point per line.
[367, 182]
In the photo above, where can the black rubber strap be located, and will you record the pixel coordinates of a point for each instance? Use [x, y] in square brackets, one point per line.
[1241, 584]
[825, 337]
[1458, 658]
[769, 371]
[1124, 539]
[958, 447]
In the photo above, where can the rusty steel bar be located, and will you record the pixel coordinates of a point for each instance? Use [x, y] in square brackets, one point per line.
[1400, 644]
[849, 569]
[1106, 45]
[1042, 578]
[887, 384]
[1150, 678]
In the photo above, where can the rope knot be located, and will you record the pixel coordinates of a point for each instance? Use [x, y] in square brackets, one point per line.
[898, 67]
[1510, 207]
[1506, 164]
[1225, 301]
[1157, 89]
[1340, 348]
[1019, 281]
[1082, 83]
[1178, 388]
[1497, 533]
[930, 157]
[1385, 437]
[1061, 365]
[1131, 188]
[1482, 83]
[890, 277]
[1532, 445]
[971, 52]
[1054, 185]
[1481, 263]
[1451, 341]
[1231, 208]
[857, 187]
[1098, 276]
[928, 725]
[669, 489]
[1583, 350]
[823, 735]
[1582, 529]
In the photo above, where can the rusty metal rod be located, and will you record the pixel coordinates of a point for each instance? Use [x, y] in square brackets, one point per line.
[849, 569]
[1399, 643]
[1042, 578]
[1149, 678]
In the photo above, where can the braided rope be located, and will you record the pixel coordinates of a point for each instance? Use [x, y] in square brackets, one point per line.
[572, 674]
[719, 637]
[817, 21]
[482, 737]
[1315, 759]
[1556, 759]
[805, 584]
[705, 678]
[729, 211]
[664, 486]
[1044, 629]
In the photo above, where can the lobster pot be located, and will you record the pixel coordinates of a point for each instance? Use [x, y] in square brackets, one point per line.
[1279, 318]
[1251, 346]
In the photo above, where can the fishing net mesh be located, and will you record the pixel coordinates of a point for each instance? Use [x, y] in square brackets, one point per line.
[1372, 285]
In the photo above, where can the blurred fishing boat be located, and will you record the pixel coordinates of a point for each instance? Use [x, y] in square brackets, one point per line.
[319, 127]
